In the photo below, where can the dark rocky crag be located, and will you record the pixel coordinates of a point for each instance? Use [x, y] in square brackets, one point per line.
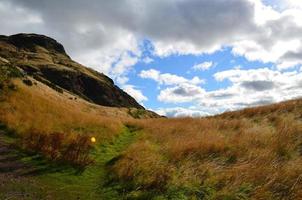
[46, 60]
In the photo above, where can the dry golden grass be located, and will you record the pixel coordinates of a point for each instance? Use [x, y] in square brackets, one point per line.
[73, 149]
[255, 153]
[57, 125]
[41, 109]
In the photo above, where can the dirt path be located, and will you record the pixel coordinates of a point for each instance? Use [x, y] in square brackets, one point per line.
[17, 181]
[90, 184]
[9, 164]
[14, 184]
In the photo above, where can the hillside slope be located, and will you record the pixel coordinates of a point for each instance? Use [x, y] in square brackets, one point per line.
[255, 153]
[46, 60]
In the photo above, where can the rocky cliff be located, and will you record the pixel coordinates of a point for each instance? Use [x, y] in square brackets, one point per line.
[45, 59]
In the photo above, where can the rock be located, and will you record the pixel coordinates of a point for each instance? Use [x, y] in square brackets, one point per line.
[29, 42]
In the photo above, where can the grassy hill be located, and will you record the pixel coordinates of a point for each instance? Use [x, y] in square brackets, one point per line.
[46, 151]
[250, 154]
[45, 60]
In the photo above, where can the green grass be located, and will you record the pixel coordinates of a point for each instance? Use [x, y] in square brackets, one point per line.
[64, 182]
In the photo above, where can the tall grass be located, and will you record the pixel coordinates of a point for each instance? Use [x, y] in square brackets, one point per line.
[254, 153]
[249, 154]
[46, 111]
[59, 147]
[50, 124]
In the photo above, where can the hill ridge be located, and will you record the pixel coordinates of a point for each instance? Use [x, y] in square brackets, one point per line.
[45, 59]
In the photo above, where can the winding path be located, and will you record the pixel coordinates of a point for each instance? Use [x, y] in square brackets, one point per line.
[60, 184]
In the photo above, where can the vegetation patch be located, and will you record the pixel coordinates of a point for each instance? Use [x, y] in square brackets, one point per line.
[137, 113]
[254, 155]
[70, 149]
[7, 72]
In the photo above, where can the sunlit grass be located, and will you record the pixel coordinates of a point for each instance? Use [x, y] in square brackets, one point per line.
[254, 153]
[250, 154]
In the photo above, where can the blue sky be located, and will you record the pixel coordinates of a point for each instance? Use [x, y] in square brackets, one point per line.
[182, 65]
[177, 57]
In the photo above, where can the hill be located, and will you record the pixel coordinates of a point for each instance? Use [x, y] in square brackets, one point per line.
[46, 60]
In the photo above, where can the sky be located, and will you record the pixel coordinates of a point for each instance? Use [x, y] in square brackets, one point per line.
[177, 57]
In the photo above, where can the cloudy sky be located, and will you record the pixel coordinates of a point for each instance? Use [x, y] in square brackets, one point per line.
[177, 57]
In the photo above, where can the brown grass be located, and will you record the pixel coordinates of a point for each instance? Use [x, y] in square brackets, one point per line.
[59, 147]
[46, 111]
[253, 153]
[49, 123]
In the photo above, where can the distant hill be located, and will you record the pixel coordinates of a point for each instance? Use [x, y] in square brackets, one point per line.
[45, 60]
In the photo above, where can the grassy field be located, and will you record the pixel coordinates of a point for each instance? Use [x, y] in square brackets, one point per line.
[254, 153]
[250, 154]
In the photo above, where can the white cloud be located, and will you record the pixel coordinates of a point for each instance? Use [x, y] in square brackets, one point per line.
[181, 112]
[165, 49]
[14, 18]
[123, 64]
[150, 74]
[147, 60]
[115, 59]
[247, 88]
[276, 36]
[238, 75]
[167, 78]
[291, 4]
[122, 80]
[181, 93]
[203, 66]
[135, 93]
[104, 31]
[255, 87]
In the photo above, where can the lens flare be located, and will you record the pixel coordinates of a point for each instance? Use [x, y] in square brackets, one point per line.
[93, 140]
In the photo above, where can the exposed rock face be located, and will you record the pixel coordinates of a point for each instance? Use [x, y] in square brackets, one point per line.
[28, 42]
[45, 59]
